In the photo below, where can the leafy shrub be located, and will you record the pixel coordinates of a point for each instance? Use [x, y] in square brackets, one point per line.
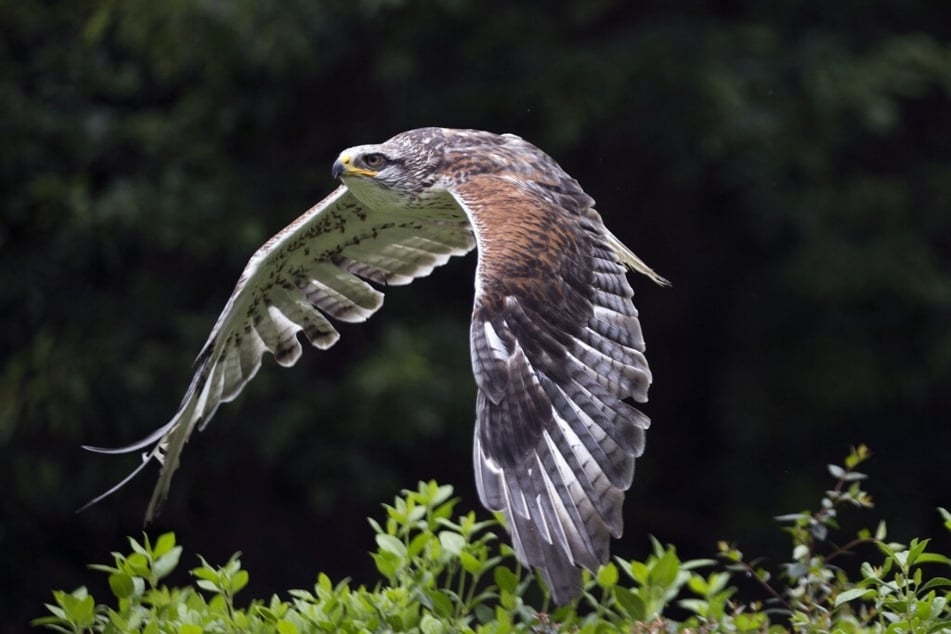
[443, 575]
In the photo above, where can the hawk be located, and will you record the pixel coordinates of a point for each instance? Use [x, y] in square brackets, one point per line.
[556, 345]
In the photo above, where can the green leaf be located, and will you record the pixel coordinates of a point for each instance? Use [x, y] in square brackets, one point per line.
[443, 511]
[801, 552]
[452, 542]
[632, 603]
[51, 622]
[698, 585]
[664, 572]
[852, 594]
[936, 582]
[945, 517]
[122, 585]
[693, 564]
[505, 579]
[431, 625]
[888, 549]
[415, 514]
[164, 544]
[932, 558]
[205, 571]
[210, 586]
[418, 543]
[217, 604]
[137, 548]
[915, 550]
[881, 531]
[239, 581]
[442, 604]
[639, 572]
[396, 513]
[167, 562]
[607, 576]
[791, 517]
[483, 613]
[286, 627]
[718, 581]
[387, 563]
[441, 494]
[753, 622]
[136, 565]
[391, 544]
[469, 563]
[78, 606]
[507, 599]
[503, 620]
[697, 606]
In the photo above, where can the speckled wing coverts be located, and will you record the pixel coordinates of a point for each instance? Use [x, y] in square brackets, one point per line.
[556, 345]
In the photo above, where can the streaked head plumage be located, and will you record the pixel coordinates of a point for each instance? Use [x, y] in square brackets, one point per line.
[401, 171]
[411, 168]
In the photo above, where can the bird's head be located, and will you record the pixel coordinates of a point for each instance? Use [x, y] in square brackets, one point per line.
[400, 172]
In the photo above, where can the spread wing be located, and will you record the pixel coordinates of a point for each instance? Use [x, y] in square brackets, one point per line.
[556, 351]
[316, 267]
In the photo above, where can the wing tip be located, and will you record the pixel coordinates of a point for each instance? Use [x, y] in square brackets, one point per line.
[630, 259]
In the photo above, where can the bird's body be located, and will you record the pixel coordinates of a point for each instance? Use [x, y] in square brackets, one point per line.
[555, 340]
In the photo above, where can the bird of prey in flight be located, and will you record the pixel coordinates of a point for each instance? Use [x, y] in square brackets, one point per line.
[557, 350]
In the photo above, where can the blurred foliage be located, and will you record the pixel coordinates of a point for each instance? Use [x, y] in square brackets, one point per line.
[786, 164]
[438, 575]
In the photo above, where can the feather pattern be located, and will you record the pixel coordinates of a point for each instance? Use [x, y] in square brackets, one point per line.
[312, 269]
[557, 349]
[556, 344]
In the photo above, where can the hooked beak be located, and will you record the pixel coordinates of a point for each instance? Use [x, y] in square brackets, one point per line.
[337, 169]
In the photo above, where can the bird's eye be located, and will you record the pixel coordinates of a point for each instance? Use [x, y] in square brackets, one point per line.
[374, 161]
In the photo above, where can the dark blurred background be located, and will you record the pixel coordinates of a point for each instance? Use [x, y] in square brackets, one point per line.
[786, 164]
